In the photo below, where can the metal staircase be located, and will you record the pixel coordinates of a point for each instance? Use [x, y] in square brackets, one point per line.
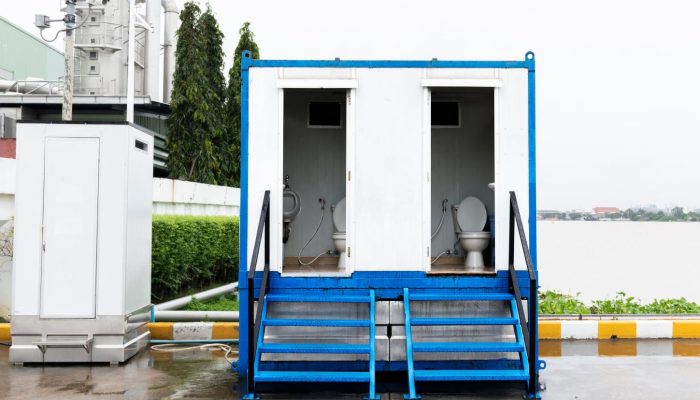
[263, 347]
[520, 374]
[261, 368]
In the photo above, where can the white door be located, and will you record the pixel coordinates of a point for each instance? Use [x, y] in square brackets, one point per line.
[69, 240]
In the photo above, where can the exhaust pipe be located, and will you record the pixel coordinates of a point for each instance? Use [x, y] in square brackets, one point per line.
[172, 23]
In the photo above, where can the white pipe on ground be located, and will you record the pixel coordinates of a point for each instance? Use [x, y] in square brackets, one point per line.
[172, 23]
[152, 84]
[194, 316]
[207, 294]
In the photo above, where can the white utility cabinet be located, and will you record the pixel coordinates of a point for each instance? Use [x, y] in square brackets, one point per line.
[82, 247]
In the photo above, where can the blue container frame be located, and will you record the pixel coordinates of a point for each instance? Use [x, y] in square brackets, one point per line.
[383, 282]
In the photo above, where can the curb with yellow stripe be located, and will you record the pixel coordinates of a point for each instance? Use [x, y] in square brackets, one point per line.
[619, 329]
[555, 329]
[193, 330]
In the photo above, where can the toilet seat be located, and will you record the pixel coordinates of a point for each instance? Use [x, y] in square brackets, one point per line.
[471, 215]
[339, 216]
[475, 235]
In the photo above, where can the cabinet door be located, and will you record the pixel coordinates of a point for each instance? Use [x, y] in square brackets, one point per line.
[69, 238]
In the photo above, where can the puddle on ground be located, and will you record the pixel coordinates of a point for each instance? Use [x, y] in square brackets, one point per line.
[620, 347]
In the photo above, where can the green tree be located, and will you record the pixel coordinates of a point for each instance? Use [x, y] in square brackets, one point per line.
[191, 138]
[213, 58]
[231, 143]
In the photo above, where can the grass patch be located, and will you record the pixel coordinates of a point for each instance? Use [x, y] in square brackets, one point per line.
[553, 302]
[223, 303]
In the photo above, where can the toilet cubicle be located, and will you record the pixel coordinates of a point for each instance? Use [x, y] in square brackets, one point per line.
[379, 154]
[386, 179]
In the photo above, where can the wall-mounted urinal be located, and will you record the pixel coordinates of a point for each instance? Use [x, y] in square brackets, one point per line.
[291, 205]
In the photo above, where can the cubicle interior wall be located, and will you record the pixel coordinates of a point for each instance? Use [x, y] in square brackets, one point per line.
[314, 136]
[462, 162]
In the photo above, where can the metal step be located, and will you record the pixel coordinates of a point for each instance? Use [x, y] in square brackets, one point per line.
[290, 298]
[315, 348]
[471, 375]
[311, 376]
[460, 296]
[476, 347]
[317, 322]
[463, 321]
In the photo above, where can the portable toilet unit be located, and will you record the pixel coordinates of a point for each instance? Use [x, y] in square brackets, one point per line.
[385, 205]
[82, 247]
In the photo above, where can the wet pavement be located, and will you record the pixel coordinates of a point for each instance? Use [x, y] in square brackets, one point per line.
[580, 374]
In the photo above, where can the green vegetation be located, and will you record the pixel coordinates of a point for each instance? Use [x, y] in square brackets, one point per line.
[553, 302]
[674, 214]
[204, 125]
[191, 253]
[223, 303]
[230, 162]
[192, 125]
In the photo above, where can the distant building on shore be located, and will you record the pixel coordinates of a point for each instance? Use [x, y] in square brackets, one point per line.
[606, 212]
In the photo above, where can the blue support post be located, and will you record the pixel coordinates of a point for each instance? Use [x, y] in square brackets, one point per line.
[243, 225]
[409, 348]
[533, 392]
[372, 380]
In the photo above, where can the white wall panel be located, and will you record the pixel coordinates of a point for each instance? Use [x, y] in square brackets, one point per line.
[511, 159]
[388, 170]
[264, 159]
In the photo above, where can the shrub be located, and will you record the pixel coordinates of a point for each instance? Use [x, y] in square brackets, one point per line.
[192, 252]
[223, 303]
[552, 302]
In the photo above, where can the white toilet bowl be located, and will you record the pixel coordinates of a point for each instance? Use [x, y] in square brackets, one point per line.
[469, 219]
[339, 235]
[339, 242]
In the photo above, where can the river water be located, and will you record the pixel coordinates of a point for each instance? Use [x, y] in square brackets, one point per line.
[599, 258]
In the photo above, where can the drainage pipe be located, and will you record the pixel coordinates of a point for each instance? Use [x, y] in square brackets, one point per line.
[207, 294]
[193, 316]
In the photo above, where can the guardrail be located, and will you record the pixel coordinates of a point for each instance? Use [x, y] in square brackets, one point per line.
[254, 324]
[529, 328]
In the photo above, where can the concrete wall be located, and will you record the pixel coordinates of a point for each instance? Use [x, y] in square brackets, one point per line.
[314, 159]
[169, 196]
[188, 198]
[462, 160]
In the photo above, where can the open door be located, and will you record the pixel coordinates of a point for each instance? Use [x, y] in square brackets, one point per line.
[317, 178]
[460, 141]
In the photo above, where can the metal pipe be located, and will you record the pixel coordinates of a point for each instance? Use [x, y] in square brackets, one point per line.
[165, 341]
[153, 50]
[130, 68]
[170, 27]
[194, 316]
[176, 304]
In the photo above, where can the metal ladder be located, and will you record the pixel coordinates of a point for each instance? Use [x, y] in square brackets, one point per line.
[317, 348]
[521, 374]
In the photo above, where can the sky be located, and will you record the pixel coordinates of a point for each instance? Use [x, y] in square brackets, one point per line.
[618, 92]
